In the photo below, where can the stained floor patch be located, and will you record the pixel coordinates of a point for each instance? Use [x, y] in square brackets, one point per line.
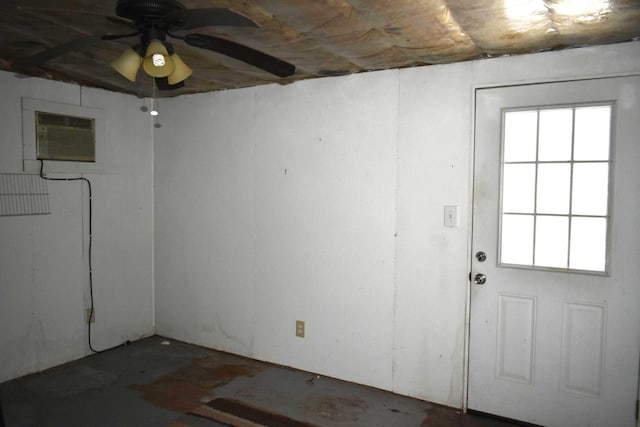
[182, 390]
[338, 409]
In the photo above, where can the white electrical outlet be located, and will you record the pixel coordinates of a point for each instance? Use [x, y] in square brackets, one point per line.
[300, 328]
[91, 315]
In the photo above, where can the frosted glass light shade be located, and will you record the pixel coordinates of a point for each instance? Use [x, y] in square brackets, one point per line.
[127, 64]
[157, 48]
[181, 71]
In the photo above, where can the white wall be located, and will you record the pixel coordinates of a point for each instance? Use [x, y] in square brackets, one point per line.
[325, 192]
[43, 264]
[260, 224]
[431, 266]
[323, 201]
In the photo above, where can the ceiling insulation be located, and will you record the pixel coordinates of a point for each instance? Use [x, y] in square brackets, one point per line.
[320, 37]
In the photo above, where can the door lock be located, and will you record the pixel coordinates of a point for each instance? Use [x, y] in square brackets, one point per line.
[481, 256]
[480, 279]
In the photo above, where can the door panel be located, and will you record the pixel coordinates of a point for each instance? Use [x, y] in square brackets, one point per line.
[551, 345]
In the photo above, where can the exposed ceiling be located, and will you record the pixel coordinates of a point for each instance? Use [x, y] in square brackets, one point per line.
[320, 37]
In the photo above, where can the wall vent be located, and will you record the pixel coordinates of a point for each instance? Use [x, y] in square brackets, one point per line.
[23, 194]
[60, 137]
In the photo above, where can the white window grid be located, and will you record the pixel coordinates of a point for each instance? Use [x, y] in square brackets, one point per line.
[570, 214]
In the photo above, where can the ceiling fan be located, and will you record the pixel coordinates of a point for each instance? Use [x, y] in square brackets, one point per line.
[153, 21]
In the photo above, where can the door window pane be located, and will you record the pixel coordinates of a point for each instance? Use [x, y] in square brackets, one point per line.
[517, 239]
[588, 244]
[520, 134]
[518, 191]
[552, 241]
[555, 188]
[554, 182]
[592, 133]
[590, 189]
[556, 131]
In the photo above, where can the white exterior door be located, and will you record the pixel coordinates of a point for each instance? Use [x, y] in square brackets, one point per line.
[555, 327]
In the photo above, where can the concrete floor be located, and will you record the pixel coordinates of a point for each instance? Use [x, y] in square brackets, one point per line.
[151, 384]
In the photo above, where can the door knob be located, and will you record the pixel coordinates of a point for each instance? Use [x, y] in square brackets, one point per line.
[481, 256]
[480, 279]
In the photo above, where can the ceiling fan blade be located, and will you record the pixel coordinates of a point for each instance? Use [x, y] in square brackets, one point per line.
[48, 54]
[243, 53]
[189, 19]
[25, 64]
[40, 9]
[43, 6]
[122, 22]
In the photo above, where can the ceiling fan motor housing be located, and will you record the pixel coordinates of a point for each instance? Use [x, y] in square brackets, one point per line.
[147, 16]
[145, 10]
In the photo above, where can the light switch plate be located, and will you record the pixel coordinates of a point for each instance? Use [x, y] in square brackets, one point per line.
[451, 216]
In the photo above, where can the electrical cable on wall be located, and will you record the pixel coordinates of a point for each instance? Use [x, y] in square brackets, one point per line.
[89, 252]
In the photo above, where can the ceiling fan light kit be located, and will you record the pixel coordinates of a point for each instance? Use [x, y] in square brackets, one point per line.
[157, 62]
[128, 64]
[181, 71]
